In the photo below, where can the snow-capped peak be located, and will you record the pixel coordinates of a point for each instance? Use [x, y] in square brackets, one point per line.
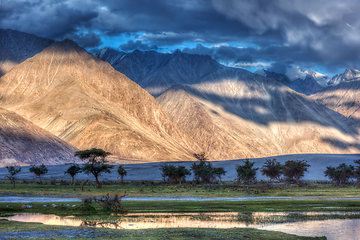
[261, 72]
[321, 79]
[296, 73]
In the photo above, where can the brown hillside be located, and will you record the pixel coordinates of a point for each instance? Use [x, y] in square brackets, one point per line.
[87, 103]
[343, 98]
[242, 116]
[23, 143]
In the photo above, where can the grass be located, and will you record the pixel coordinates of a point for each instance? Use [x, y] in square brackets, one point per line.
[179, 233]
[193, 206]
[155, 188]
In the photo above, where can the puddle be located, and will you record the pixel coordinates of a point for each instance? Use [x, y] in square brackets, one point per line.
[289, 222]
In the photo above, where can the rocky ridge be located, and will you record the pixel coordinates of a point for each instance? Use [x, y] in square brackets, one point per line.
[16, 47]
[244, 115]
[87, 103]
[23, 143]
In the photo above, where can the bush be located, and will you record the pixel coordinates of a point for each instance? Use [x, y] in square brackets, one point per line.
[111, 203]
[107, 203]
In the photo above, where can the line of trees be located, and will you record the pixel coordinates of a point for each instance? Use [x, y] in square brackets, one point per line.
[292, 171]
[204, 172]
[95, 164]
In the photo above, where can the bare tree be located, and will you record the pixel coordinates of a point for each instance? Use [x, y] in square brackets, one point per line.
[13, 170]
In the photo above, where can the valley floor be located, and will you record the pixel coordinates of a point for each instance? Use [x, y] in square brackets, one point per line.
[152, 172]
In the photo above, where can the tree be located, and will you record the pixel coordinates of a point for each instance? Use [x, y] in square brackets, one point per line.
[203, 172]
[13, 170]
[295, 169]
[357, 170]
[39, 171]
[73, 170]
[271, 169]
[180, 173]
[219, 171]
[172, 173]
[200, 156]
[168, 172]
[340, 174]
[246, 173]
[96, 163]
[122, 172]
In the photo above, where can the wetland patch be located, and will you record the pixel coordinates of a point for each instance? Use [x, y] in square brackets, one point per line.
[333, 225]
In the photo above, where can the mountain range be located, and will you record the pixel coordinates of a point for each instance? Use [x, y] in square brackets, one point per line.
[16, 47]
[231, 112]
[84, 101]
[81, 101]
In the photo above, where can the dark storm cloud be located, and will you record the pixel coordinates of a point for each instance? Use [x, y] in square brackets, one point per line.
[51, 19]
[86, 40]
[280, 57]
[288, 32]
[131, 45]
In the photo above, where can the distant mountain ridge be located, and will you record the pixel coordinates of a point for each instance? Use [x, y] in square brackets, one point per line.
[232, 113]
[16, 47]
[308, 82]
[156, 72]
[344, 97]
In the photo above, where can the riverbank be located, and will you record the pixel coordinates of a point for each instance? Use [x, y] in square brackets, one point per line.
[16, 230]
[64, 189]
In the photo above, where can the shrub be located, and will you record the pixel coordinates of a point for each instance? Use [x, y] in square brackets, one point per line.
[107, 203]
[111, 203]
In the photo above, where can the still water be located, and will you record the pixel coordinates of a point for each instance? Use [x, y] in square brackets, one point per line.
[299, 223]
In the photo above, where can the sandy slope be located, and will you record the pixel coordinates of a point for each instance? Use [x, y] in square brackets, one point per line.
[87, 103]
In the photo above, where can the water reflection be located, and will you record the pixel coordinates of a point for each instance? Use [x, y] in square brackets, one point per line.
[289, 222]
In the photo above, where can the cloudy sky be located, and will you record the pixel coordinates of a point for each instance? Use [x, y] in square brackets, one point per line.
[321, 35]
